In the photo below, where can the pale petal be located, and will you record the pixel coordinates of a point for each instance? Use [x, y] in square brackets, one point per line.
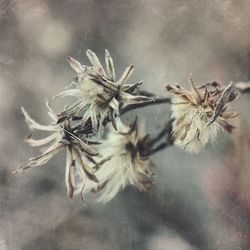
[110, 66]
[114, 104]
[84, 168]
[40, 159]
[75, 65]
[126, 75]
[95, 61]
[40, 142]
[51, 113]
[69, 92]
[68, 173]
[94, 118]
[34, 125]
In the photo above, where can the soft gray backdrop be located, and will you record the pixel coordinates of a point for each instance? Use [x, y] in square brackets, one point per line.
[199, 201]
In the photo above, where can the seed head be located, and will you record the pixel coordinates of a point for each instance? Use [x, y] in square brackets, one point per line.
[200, 113]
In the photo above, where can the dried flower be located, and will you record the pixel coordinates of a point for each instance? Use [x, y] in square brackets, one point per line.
[199, 114]
[62, 136]
[123, 164]
[98, 93]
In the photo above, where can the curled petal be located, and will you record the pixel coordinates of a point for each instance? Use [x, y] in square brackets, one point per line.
[40, 159]
[40, 142]
[51, 113]
[34, 125]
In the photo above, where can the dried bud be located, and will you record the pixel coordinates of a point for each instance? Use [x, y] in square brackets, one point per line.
[62, 136]
[99, 94]
[124, 164]
[199, 114]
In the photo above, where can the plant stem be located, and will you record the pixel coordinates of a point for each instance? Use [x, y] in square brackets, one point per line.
[144, 104]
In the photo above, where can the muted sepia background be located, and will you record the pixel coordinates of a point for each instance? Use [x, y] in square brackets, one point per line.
[199, 201]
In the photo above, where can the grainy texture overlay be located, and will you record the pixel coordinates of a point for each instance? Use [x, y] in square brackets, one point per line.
[199, 201]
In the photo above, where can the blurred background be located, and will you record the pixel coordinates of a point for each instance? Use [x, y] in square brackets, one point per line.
[198, 201]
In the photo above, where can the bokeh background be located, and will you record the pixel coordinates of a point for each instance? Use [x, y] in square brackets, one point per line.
[198, 201]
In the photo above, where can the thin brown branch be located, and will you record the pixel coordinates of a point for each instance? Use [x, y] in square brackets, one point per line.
[145, 93]
[166, 131]
[161, 146]
[144, 104]
[163, 139]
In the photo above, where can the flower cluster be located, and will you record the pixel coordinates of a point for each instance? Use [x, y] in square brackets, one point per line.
[90, 164]
[104, 163]
[199, 114]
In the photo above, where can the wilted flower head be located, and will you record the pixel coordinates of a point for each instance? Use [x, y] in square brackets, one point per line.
[62, 136]
[125, 164]
[200, 113]
[99, 93]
